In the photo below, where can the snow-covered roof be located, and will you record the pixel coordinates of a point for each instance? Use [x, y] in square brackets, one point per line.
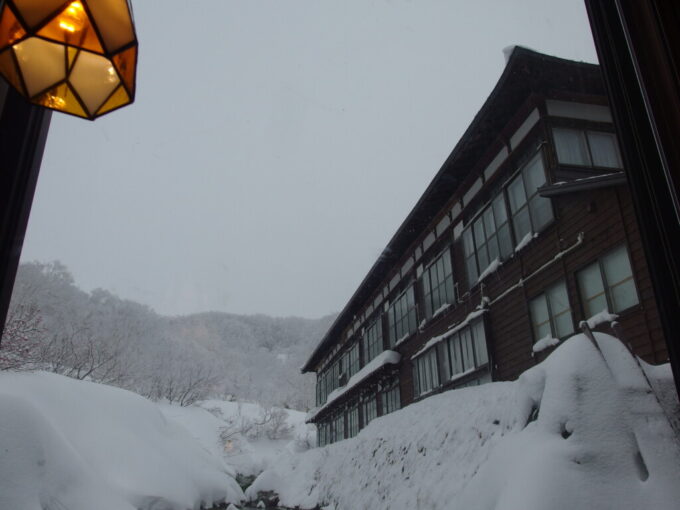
[382, 359]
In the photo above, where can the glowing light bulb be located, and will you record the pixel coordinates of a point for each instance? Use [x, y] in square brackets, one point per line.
[73, 18]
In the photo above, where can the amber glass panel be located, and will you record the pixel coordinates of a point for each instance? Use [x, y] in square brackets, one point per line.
[119, 98]
[125, 63]
[94, 79]
[10, 28]
[72, 54]
[61, 98]
[113, 20]
[36, 12]
[9, 70]
[41, 63]
[72, 26]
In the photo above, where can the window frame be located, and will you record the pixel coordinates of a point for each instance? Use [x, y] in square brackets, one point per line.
[393, 324]
[599, 263]
[584, 133]
[551, 315]
[372, 345]
[441, 287]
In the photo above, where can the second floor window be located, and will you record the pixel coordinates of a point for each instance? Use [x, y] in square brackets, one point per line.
[551, 314]
[438, 283]
[373, 340]
[586, 148]
[352, 360]
[464, 351]
[530, 211]
[402, 316]
[608, 284]
[391, 399]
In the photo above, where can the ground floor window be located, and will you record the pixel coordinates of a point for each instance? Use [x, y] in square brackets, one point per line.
[338, 428]
[608, 284]
[369, 409]
[426, 372]
[551, 314]
[353, 420]
[391, 399]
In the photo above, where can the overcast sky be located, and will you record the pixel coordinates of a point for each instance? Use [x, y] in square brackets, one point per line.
[274, 147]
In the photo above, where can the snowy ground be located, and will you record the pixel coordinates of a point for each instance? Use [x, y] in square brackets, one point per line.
[580, 430]
[76, 445]
[253, 443]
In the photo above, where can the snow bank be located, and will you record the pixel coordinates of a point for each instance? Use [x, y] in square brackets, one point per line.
[579, 430]
[77, 445]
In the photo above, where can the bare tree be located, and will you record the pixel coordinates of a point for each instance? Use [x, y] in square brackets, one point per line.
[19, 347]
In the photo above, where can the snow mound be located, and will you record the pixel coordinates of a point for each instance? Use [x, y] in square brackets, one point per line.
[579, 430]
[246, 453]
[77, 445]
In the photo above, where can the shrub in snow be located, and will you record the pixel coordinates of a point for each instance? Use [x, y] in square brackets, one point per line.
[579, 430]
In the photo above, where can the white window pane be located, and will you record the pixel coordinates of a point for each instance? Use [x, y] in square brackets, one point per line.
[590, 282]
[541, 212]
[454, 353]
[571, 147]
[557, 295]
[466, 350]
[564, 325]
[534, 175]
[624, 296]
[489, 223]
[516, 195]
[538, 308]
[468, 244]
[471, 265]
[480, 343]
[499, 210]
[604, 149]
[617, 266]
[505, 241]
[480, 238]
[521, 224]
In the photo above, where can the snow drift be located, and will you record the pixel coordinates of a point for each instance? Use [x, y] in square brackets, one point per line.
[580, 430]
[75, 445]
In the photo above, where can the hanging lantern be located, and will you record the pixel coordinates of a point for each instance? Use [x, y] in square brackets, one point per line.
[77, 57]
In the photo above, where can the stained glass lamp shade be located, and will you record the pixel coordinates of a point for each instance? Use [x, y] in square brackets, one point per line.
[77, 57]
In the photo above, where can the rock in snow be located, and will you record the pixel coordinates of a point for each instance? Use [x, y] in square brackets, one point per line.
[579, 430]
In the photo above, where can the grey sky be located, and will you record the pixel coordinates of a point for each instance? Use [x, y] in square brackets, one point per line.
[274, 147]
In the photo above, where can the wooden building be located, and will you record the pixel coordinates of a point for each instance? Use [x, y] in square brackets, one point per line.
[527, 229]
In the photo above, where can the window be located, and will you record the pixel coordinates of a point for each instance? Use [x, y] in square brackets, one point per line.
[402, 317]
[373, 340]
[608, 284]
[551, 314]
[530, 212]
[586, 148]
[426, 372]
[370, 409]
[464, 351]
[391, 400]
[352, 360]
[339, 427]
[323, 438]
[353, 421]
[487, 238]
[438, 283]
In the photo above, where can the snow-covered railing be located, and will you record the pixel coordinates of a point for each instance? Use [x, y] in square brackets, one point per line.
[382, 359]
[452, 330]
[558, 256]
